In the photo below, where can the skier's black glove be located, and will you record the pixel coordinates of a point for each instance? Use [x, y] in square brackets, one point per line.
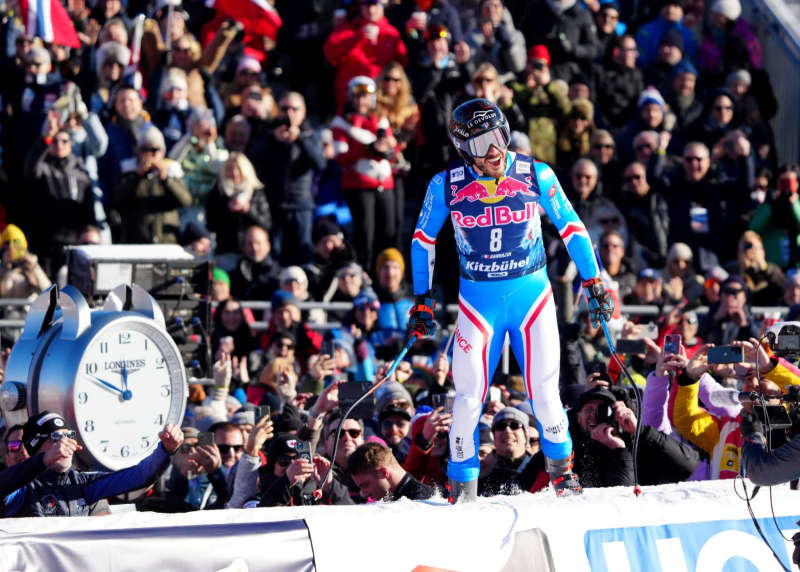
[420, 317]
[600, 302]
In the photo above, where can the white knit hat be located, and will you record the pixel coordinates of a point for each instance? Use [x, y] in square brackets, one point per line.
[731, 9]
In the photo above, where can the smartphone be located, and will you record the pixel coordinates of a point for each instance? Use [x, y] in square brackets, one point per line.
[672, 344]
[205, 438]
[350, 392]
[327, 348]
[598, 367]
[631, 347]
[262, 411]
[649, 330]
[303, 449]
[777, 415]
[725, 354]
[495, 394]
[446, 401]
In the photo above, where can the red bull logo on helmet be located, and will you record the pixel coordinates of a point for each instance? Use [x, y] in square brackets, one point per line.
[490, 191]
[494, 216]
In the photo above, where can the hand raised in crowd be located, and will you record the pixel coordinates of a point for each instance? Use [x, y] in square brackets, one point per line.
[670, 363]
[52, 124]
[652, 351]
[328, 399]
[605, 434]
[492, 407]
[698, 365]
[223, 370]
[171, 437]
[596, 380]
[321, 365]
[298, 471]
[321, 465]
[208, 457]
[438, 421]
[261, 433]
[287, 133]
[625, 416]
[61, 450]
[754, 352]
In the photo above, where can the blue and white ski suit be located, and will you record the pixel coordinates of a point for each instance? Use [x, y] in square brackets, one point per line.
[504, 289]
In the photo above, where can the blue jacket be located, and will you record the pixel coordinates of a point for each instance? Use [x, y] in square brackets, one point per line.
[649, 35]
[74, 493]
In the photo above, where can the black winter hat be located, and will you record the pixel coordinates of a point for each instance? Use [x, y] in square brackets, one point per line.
[38, 428]
[597, 392]
[324, 227]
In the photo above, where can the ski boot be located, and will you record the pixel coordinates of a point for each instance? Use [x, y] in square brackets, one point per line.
[462, 491]
[565, 481]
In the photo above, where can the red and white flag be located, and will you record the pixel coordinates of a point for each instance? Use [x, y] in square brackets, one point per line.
[260, 18]
[48, 19]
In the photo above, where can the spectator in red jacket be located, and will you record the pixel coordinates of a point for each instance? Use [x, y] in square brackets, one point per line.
[363, 46]
[365, 148]
[427, 456]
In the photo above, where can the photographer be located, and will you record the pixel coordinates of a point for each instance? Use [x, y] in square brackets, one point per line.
[289, 479]
[765, 467]
[602, 429]
[720, 435]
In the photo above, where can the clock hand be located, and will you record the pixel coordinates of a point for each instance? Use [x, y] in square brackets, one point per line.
[126, 393]
[103, 382]
[124, 372]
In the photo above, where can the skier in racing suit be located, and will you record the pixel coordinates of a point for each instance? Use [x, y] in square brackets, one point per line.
[61, 490]
[493, 198]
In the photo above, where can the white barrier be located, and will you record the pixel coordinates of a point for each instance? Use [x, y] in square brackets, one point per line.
[699, 526]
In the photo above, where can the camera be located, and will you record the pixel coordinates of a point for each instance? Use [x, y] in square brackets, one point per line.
[784, 339]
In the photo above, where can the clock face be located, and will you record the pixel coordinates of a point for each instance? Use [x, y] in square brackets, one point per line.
[130, 383]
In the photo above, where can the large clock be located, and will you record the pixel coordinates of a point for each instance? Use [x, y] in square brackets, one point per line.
[115, 374]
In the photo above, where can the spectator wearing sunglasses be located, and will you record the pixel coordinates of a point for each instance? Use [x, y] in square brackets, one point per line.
[515, 469]
[647, 214]
[15, 451]
[350, 438]
[64, 491]
[730, 319]
[429, 451]
[189, 486]
[287, 480]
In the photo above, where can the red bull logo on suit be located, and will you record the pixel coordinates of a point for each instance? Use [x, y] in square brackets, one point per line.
[494, 216]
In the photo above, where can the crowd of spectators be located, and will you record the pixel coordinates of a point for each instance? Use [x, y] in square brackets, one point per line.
[297, 161]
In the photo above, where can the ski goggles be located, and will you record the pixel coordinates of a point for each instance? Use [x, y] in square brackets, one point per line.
[479, 145]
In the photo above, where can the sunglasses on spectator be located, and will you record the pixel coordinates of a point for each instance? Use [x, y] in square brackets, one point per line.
[608, 15]
[693, 158]
[630, 178]
[286, 108]
[255, 95]
[484, 80]
[58, 435]
[610, 245]
[225, 449]
[583, 176]
[284, 460]
[502, 425]
[613, 220]
[14, 446]
[538, 66]
[149, 149]
[723, 107]
[533, 441]
[288, 346]
[732, 291]
[354, 433]
[642, 146]
[392, 78]
[603, 145]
